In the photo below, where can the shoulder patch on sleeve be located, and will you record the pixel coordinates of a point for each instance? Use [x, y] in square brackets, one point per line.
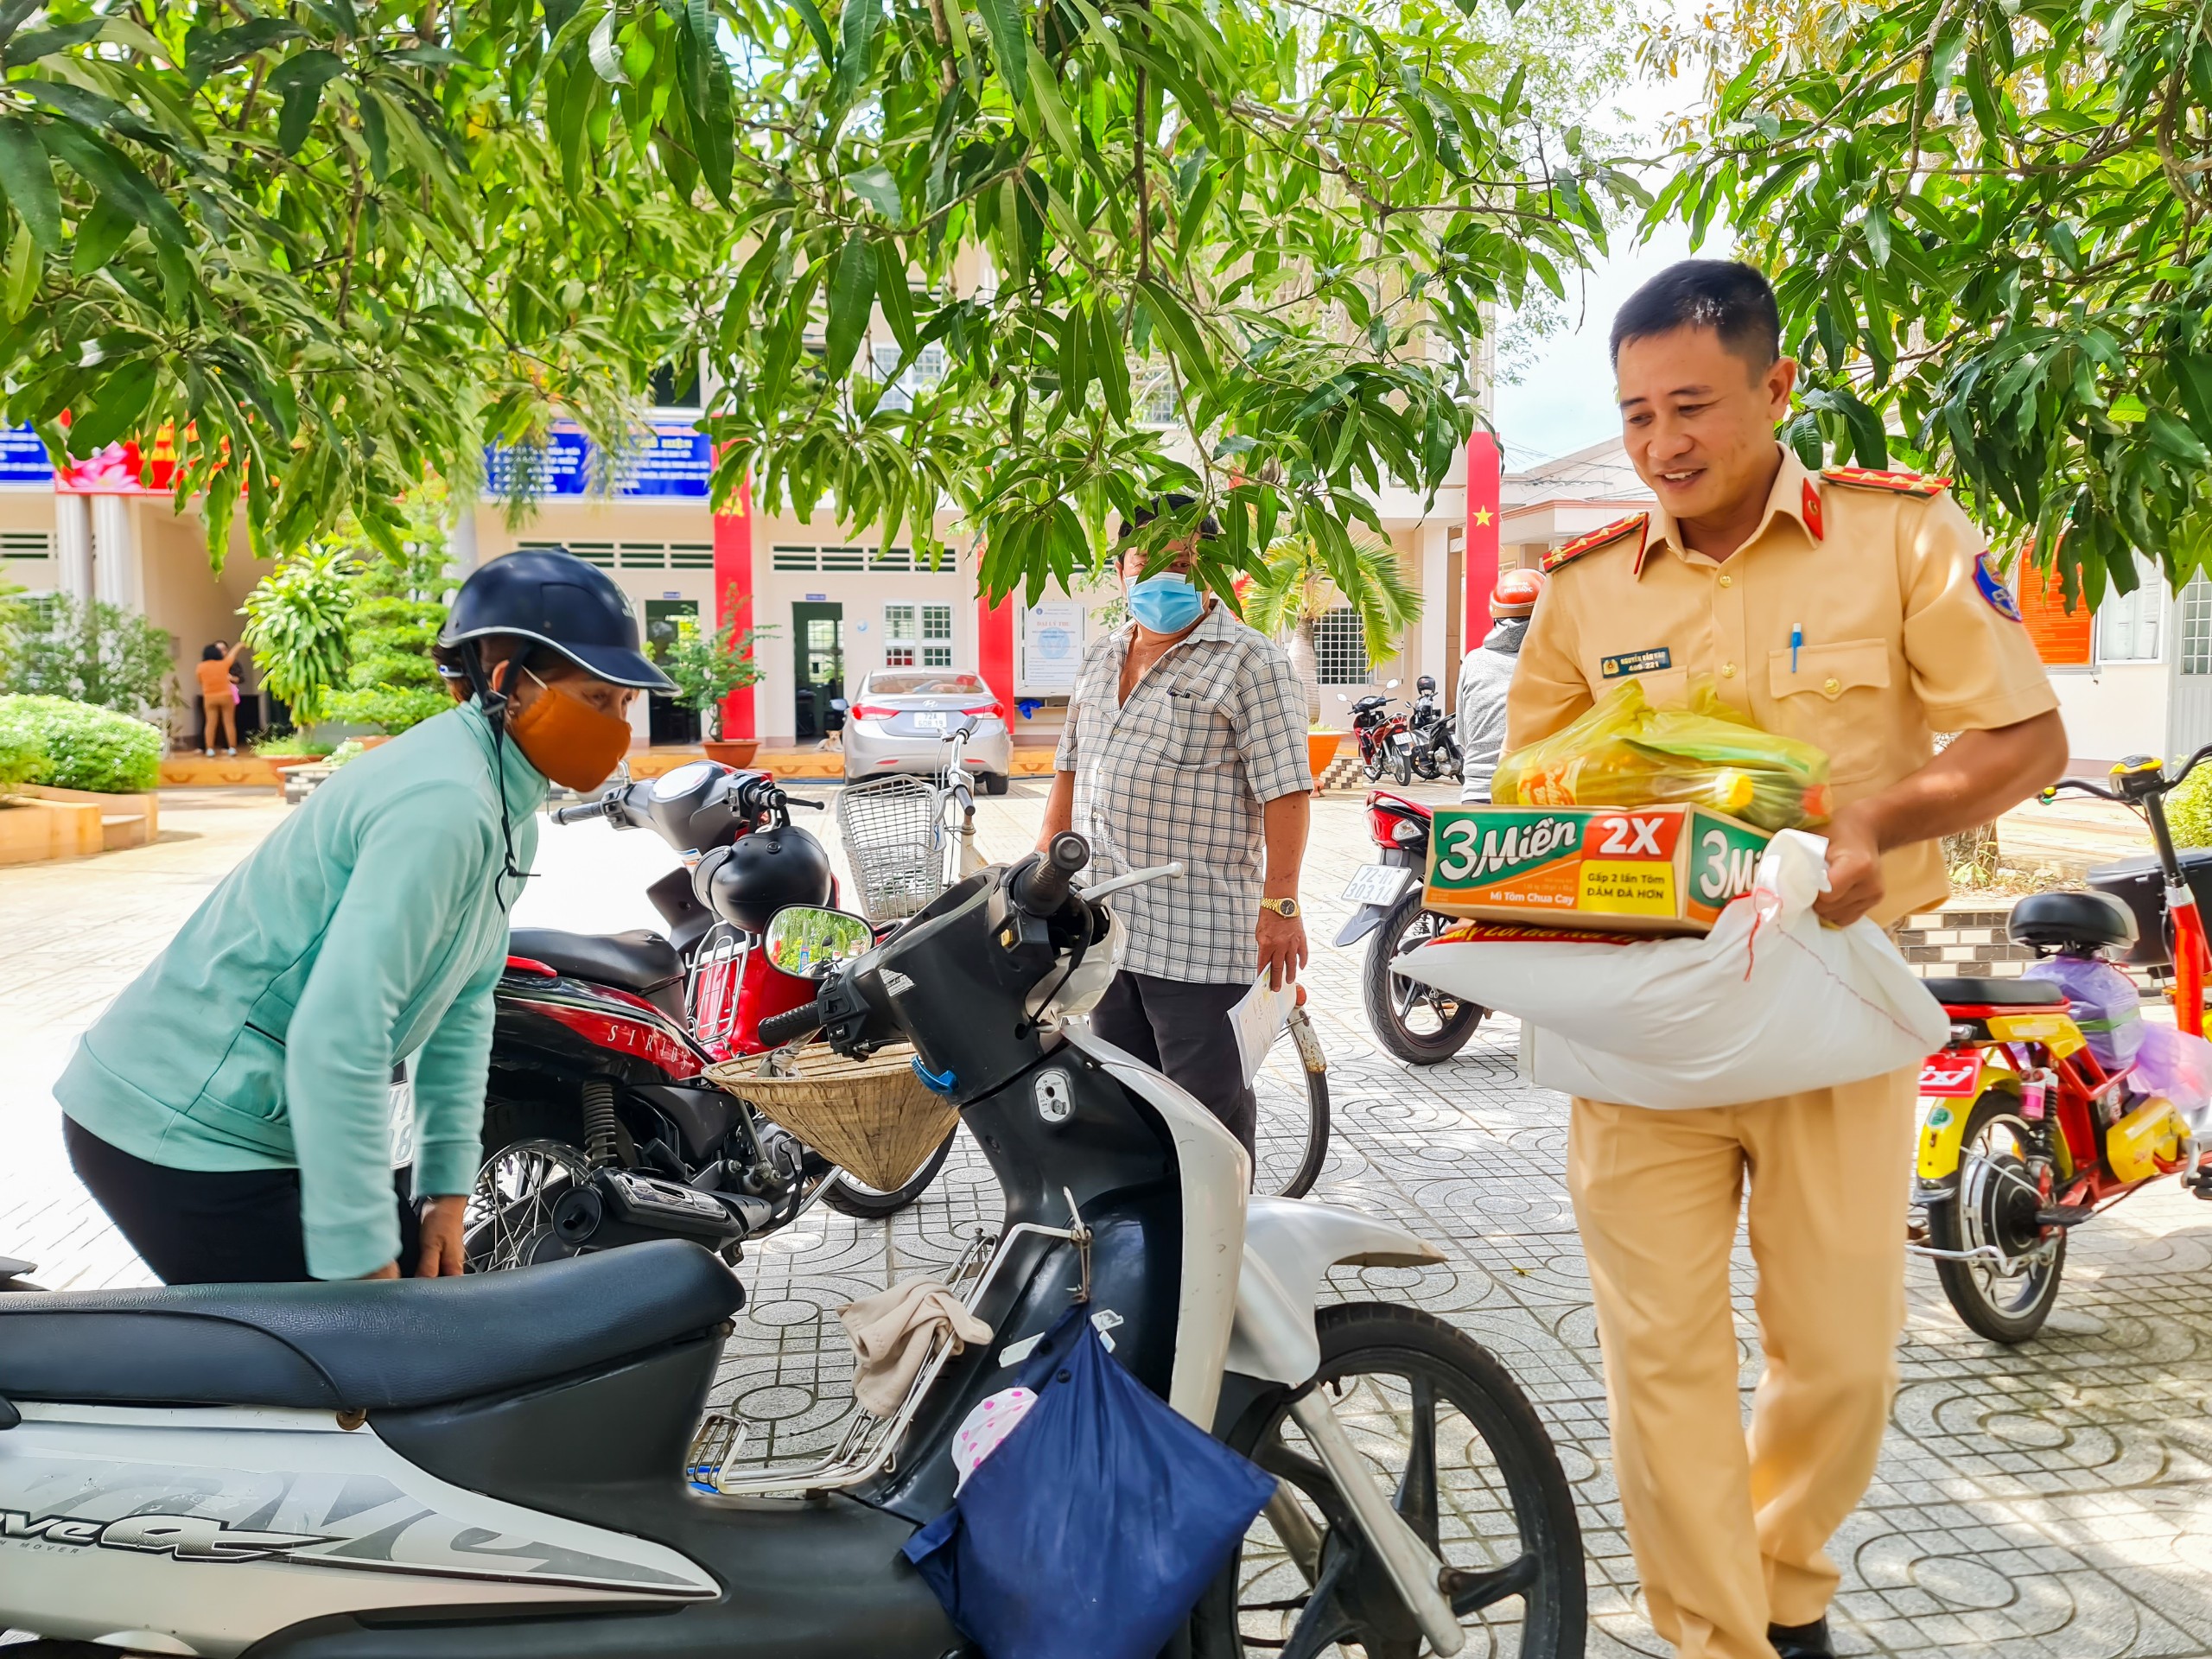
[1990, 582]
[1637, 525]
[1862, 478]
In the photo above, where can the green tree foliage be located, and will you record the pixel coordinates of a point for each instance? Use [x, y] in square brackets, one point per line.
[1987, 223]
[1295, 587]
[88, 651]
[81, 746]
[297, 620]
[337, 244]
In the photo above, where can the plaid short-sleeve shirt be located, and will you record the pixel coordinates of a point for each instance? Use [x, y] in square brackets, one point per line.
[1180, 771]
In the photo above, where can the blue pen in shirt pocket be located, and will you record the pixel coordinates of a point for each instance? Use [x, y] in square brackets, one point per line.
[1796, 639]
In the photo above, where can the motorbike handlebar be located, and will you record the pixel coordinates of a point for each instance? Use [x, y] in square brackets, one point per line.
[585, 812]
[1041, 887]
[780, 1028]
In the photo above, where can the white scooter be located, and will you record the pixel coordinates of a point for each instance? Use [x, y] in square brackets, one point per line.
[505, 1467]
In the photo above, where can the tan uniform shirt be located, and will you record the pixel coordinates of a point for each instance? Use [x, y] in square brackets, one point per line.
[1906, 630]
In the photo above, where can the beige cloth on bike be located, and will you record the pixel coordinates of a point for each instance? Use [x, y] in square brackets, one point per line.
[1906, 629]
[891, 1334]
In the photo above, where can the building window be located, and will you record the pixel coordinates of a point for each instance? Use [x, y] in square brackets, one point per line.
[1340, 647]
[925, 371]
[936, 624]
[1158, 408]
[2127, 624]
[26, 543]
[898, 636]
[791, 558]
[2196, 606]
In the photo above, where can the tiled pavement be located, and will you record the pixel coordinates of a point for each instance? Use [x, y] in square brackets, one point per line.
[2055, 1500]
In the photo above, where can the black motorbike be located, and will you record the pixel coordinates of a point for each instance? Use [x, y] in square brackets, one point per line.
[1435, 750]
[601, 1044]
[506, 1467]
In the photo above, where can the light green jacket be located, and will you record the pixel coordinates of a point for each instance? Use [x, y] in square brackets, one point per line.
[369, 927]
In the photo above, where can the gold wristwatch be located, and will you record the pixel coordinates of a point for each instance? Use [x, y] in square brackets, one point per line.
[1284, 907]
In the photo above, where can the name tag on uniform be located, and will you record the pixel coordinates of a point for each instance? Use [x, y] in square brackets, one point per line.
[1635, 662]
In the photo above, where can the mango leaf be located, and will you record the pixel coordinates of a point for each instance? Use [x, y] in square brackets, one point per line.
[852, 292]
[208, 51]
[300, 80]
[28, 178]
[1007, 23]
[893, 295]
[104, 230]
[857, 27]
[874, 186]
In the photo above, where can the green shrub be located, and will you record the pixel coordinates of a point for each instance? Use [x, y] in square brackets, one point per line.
[91, 651]
[82, 746]
[2188, 811]
[23, 757]
[292, 743]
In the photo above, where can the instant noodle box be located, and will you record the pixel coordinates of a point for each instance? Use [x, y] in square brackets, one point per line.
[1615, 869]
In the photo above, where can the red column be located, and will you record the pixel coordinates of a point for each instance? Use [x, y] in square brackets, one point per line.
[1480, 551]
[734, 596]
[995, 650]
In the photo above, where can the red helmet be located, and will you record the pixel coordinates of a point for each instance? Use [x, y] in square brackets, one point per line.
[1516, 593]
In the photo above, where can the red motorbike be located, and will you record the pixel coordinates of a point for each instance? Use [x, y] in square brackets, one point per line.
[599, 1124]
[1418, 1023]
[1385, 737]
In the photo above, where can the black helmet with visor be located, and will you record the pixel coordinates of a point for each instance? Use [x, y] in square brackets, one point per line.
[551, 598]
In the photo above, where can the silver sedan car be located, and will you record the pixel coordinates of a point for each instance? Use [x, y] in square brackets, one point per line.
[900, 719]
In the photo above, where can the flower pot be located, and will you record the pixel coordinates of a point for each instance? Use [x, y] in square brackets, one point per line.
[1321, 749]
[733, 751]
[370, 741]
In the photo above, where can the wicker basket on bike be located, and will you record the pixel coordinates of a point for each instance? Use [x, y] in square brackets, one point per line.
[874, 1118]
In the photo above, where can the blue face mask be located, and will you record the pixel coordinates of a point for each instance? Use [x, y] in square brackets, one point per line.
[1165, 604]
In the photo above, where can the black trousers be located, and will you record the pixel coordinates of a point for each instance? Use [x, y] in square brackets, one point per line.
[211, 1227]
[1183, 1028]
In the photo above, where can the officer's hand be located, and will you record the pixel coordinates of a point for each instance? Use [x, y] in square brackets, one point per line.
[1855, 884]
[1282, 947]
[442, 1255]
[389, 1270]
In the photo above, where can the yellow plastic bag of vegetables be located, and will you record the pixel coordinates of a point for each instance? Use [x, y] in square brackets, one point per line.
[1626, 753]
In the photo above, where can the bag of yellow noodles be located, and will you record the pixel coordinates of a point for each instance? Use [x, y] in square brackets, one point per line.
[1626, 753]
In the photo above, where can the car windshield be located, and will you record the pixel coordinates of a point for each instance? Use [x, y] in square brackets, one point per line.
[926, 686]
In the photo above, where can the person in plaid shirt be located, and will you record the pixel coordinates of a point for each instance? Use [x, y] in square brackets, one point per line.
[1185, 739]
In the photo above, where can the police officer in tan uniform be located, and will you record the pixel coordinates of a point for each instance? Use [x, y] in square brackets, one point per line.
[1861, 612]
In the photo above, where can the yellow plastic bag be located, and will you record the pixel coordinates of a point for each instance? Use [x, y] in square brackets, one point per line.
[1626, 753]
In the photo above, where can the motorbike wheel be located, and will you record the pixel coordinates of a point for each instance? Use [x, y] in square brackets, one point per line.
[1402, 768]
[1445, 1427]
[1993, 1207]
[1419, 1025]
[848, 1195]
[509, 1222]
[1370, 762]
[1291, 1133]
[1425, 764]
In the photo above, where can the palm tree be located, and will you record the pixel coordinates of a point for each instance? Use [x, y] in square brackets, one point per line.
[1297, 585]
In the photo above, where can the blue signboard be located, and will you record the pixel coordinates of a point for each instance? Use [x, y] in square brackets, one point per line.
[673, 462]
[22, 458]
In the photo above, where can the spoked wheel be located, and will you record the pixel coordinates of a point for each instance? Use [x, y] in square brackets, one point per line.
[509, 1222]
[849, 1195]
[1416, 1022]
[1290, 1139]
[1371, 762]
[1402, 768]
[2008, 1283]
[1447, 1431]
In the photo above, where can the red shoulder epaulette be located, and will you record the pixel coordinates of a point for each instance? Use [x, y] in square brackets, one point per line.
[1637, 523]
[1895, 483]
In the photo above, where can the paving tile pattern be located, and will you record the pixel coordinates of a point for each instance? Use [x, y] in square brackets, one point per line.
[2053, 1502]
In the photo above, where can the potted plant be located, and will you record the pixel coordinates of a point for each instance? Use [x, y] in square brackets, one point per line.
[707, 668]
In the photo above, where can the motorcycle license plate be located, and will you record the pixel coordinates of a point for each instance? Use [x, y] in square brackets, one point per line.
[1949, 1076]
[1403, 739]
[1377, 884]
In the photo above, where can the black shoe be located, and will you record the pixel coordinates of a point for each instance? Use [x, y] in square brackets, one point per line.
[1801, 1641]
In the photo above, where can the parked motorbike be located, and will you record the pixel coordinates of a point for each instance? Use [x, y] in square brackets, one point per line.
[601, 1042]
[1418, 1023]
[2024, 1135]
[503, 1466]
[1382, 735]
[1434, 752]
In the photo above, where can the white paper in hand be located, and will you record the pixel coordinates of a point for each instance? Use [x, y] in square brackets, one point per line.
[1256, 1019]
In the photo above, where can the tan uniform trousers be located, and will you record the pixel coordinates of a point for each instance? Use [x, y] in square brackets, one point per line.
[1729, 1529]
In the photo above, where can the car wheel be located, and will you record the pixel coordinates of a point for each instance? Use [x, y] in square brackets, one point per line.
[994, 783]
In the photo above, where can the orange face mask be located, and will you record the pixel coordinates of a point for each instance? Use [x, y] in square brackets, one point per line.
[567, 740]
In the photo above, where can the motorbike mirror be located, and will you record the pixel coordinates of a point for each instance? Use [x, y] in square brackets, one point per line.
[1390, 685]
[839, 704]
[808, 942]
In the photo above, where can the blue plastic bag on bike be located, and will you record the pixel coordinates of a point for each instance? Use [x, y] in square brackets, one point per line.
[1092, 1530]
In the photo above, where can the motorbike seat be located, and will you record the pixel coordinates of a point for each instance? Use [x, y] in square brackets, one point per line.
[1996, 993]
[360, 1344]
[637, 961]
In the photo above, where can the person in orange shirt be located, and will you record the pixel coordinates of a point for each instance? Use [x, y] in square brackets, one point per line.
[218, 698]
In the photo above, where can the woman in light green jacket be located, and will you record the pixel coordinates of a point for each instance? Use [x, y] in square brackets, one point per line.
[232, 1110]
